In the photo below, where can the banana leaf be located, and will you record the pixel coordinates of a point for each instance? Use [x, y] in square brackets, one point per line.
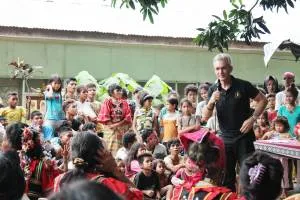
[121, 79]
[84, 78]
[158, 89]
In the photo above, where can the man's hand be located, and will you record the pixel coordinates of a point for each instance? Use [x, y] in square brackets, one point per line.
[247, 125]
[215, 97]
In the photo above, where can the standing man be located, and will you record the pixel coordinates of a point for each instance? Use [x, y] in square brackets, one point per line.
[288, 80]
[231, 96]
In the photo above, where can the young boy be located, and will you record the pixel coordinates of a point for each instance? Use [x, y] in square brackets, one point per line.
[153, 146]
[12, 112]
[69, 93]
[147, 180]
[96, 105]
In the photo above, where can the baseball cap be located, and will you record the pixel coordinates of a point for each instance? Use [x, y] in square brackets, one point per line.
[288, 75]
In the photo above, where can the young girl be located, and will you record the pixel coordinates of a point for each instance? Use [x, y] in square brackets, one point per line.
[281, 132]
[260, 177]
[168, 121]
[83, 106]
[291, 110]
[187, 122]
[263, 124]
[54, 109]
[189, 175]
[190, 92]
[121, 165]
[132, 166]
[281, 129]
[272, 113]
[205, 153]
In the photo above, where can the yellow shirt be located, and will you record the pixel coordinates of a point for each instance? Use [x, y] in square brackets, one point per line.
[13, 115]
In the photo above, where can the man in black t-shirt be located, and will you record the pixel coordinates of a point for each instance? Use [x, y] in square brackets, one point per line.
[231, 96]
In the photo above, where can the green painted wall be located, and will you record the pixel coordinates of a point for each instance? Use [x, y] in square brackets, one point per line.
[140, 61]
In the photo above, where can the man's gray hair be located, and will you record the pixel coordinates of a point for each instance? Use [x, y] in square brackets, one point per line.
[222, 57]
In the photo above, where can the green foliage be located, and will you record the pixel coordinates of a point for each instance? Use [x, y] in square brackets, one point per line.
[155, 86]
[121, 79]
[148, 7]
[158, 89]
[271, 4]
[236, 24]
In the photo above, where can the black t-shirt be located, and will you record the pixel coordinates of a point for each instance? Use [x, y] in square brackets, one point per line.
[233, 108]
[143, 182]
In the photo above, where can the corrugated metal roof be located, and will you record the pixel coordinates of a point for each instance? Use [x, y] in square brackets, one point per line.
[178, 19]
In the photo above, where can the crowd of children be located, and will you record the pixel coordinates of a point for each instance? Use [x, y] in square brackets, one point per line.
[136, 149]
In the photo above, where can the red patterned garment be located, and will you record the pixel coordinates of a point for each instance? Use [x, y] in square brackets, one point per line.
[115, 185]
[43, 175]
[114, 111]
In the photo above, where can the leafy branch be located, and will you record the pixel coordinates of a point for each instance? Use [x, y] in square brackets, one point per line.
[148, 7]
[238, 23]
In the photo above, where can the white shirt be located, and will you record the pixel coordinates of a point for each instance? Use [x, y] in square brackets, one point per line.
[86, 109]
[199, 108]
[280, 98]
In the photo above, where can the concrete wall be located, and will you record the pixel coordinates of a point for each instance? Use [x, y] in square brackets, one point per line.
[140, 61]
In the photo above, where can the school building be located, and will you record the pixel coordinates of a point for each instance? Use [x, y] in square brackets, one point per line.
[178, 61]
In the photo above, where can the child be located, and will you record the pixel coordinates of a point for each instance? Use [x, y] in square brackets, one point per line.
[132, 165]
[189, 175]
[187, 122]
[281, 129]
[70, 108]
[83, 106]
[174, 161]
[12, 112]
[203, 90]
[128, 140]
[260, 177]
[37, 124]
[168, 121]
[54, 110]
[272, 113]
[160, 167]
[190, 92]
[147, 180]
[70, 90]
[263, 123]
[153, 146]
[121, 165]
[281, 132]
[96, 105]
[144, 117]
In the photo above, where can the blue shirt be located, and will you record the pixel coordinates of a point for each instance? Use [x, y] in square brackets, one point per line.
[54, 110]
[292, 117]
